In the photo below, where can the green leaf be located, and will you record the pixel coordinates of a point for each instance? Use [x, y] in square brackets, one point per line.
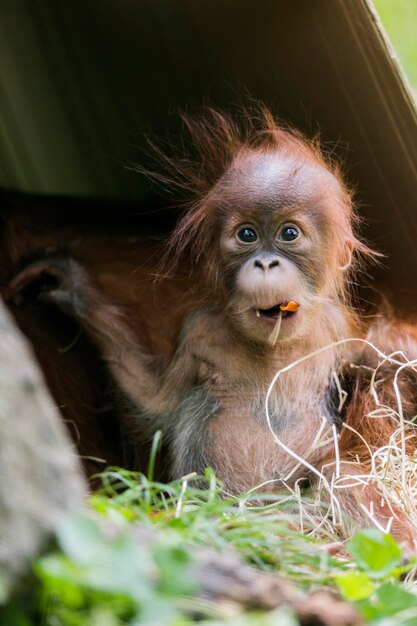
[173, 563]
[396, 599]
[355, 586]
[109, 563]
[80, 538]
[376, 553]
[118, 568]
[4, 586]
[391, 605]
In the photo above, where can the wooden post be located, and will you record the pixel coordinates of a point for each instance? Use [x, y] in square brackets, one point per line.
[40, 475]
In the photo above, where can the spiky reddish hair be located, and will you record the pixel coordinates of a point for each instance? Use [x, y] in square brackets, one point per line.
[193, 172]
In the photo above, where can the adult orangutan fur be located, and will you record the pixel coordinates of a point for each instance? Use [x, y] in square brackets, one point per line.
[270, 221]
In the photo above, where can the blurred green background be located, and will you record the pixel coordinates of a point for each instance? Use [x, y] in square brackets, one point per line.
[399, 18]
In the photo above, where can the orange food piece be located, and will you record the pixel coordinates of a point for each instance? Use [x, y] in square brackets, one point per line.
[290, 306]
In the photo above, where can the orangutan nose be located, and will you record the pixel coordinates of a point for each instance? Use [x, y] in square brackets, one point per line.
[266, 262]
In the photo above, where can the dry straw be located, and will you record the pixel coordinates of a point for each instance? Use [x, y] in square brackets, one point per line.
[391, 469]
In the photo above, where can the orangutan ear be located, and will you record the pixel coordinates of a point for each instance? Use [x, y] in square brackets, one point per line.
[345, 259]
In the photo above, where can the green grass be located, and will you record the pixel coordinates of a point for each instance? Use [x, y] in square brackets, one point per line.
[399, 18]
[99, 578]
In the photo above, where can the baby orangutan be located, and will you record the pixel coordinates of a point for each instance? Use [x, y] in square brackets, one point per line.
[270, 230]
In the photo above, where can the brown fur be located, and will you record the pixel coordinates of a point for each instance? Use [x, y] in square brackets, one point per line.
[123, 264]
[209, 397]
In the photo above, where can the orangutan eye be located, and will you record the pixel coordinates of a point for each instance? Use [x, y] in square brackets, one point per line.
[288, 233]
[247, 235]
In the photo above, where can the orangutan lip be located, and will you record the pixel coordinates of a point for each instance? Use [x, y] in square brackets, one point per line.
[273, 312]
